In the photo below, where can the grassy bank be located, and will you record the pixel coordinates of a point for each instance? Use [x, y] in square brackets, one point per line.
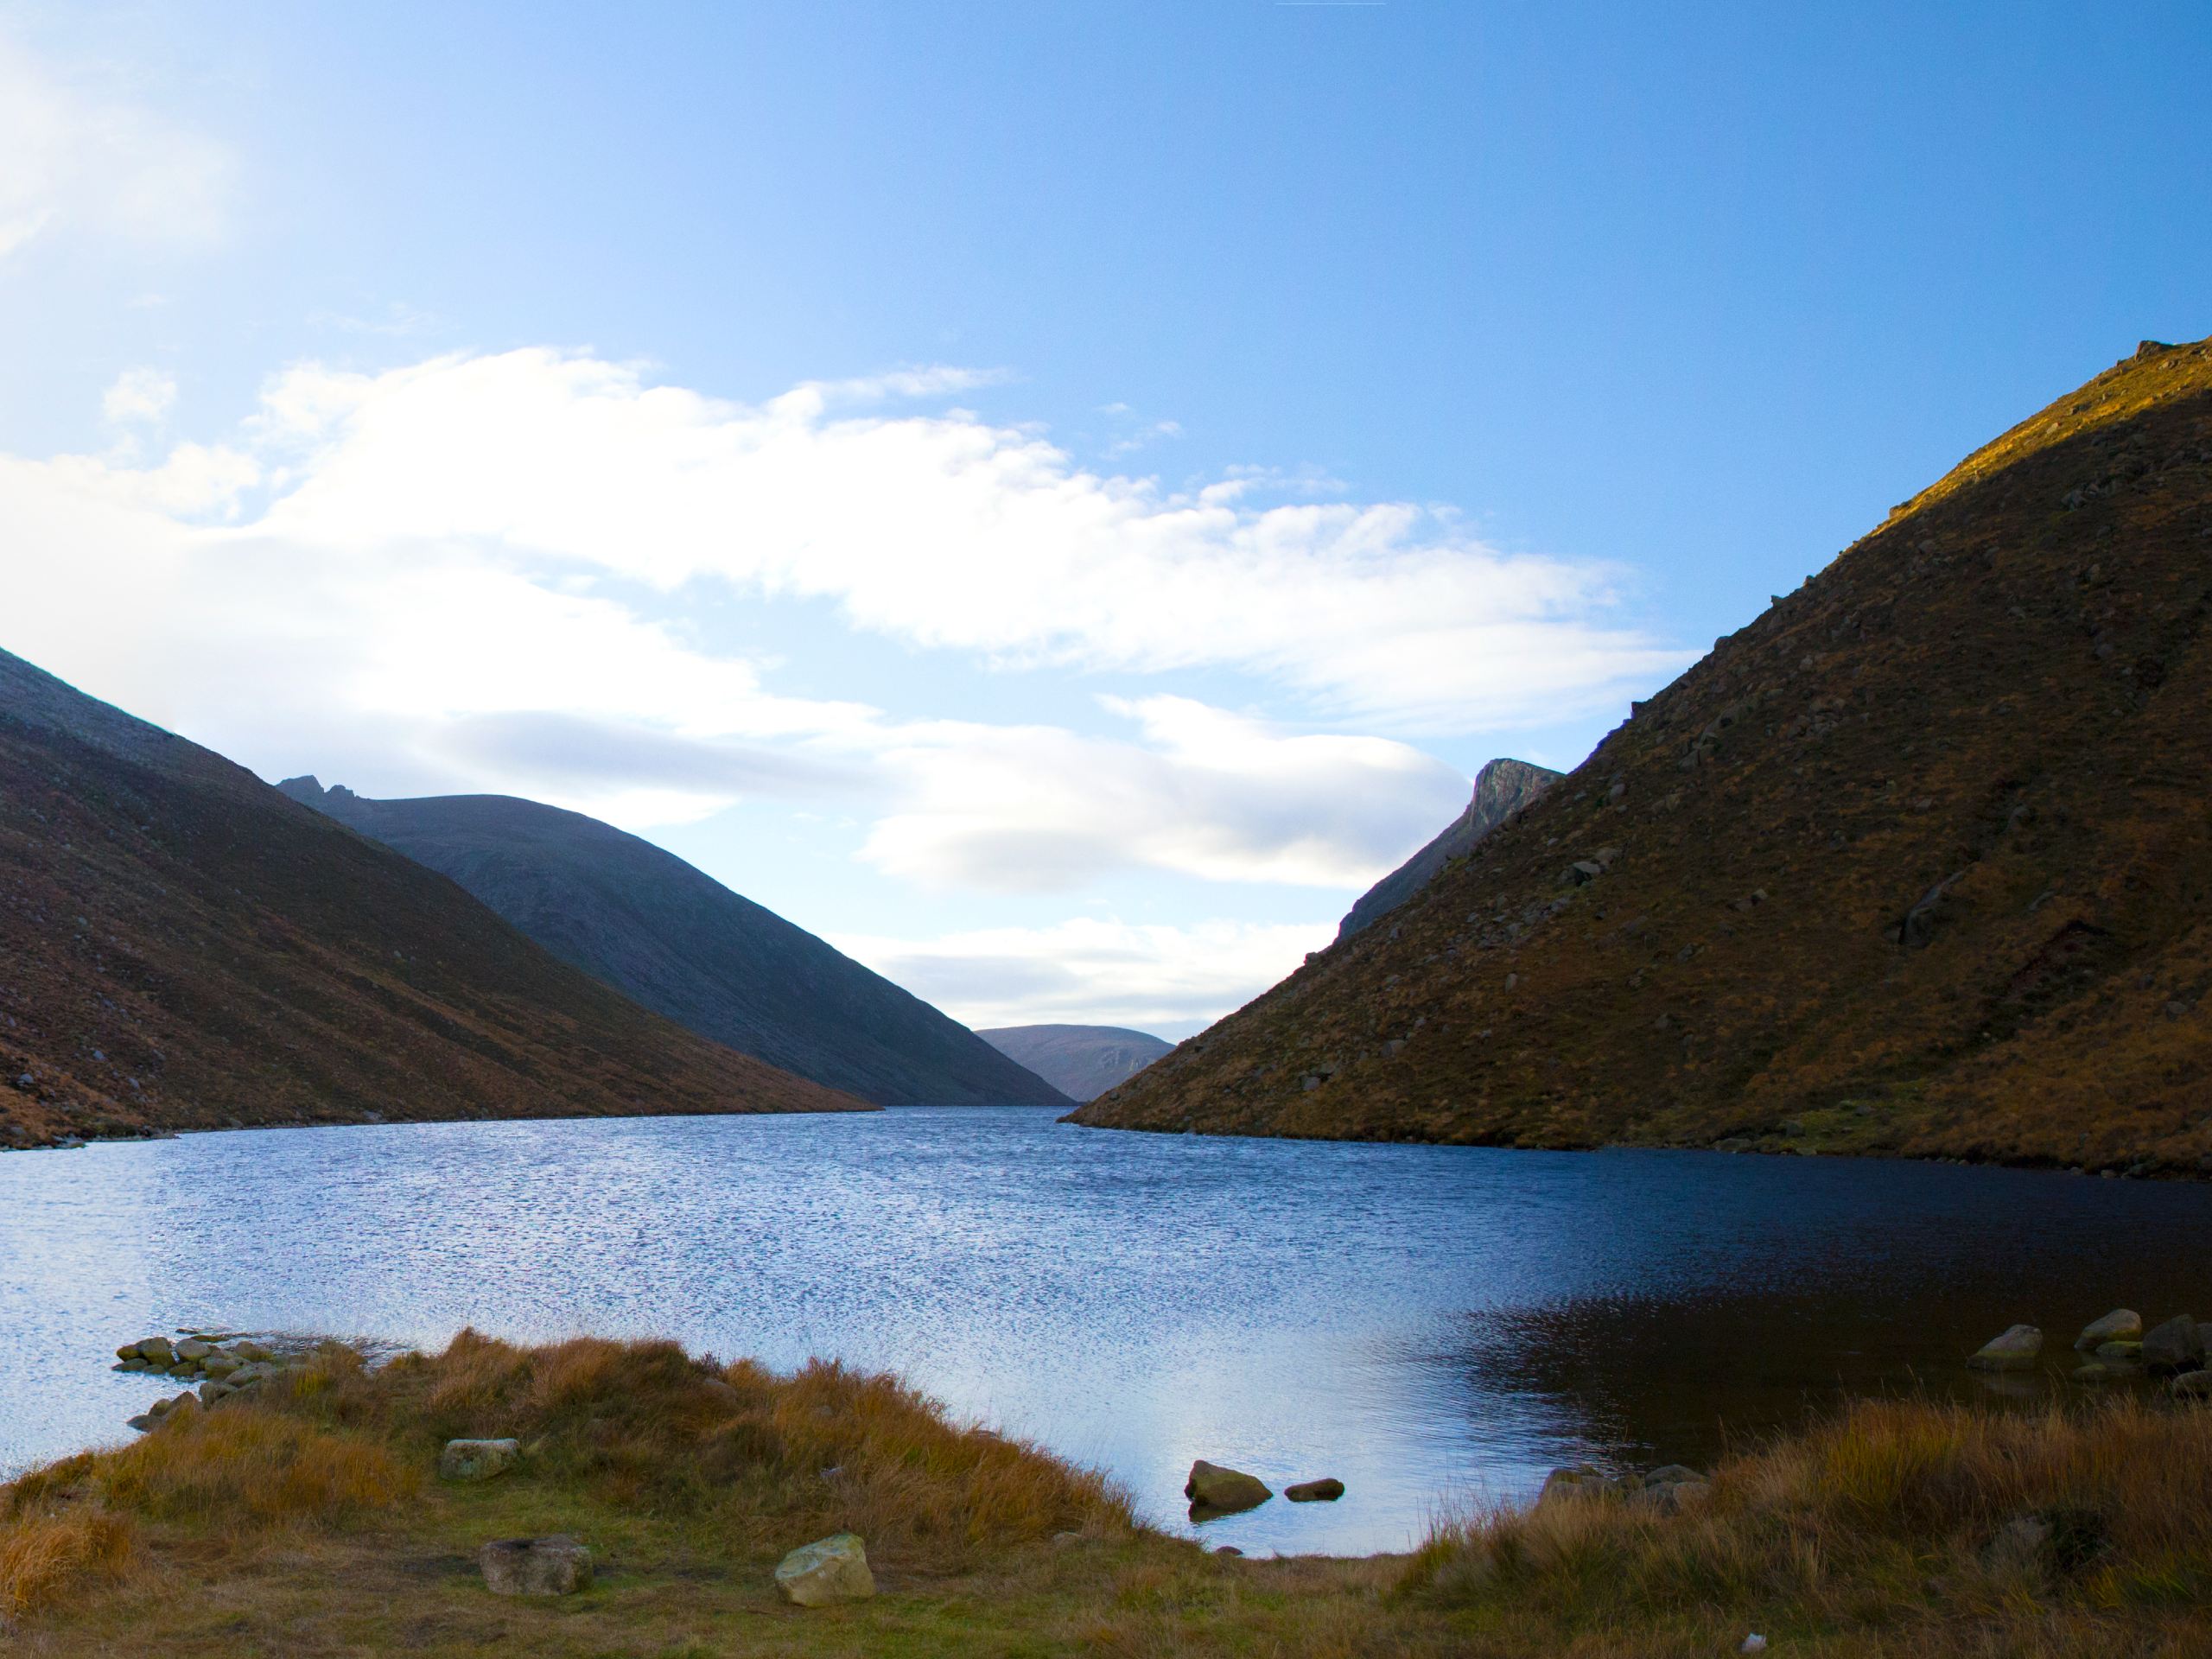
[308, 1519]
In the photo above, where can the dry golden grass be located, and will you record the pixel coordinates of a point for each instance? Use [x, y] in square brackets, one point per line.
[42, 1556]
[306, 1522]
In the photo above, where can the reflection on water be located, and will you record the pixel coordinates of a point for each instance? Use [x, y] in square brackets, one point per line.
[1424, 1322]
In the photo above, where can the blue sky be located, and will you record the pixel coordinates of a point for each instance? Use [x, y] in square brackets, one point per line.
[1223, 427]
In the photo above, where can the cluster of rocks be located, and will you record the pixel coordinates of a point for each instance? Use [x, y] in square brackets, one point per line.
[1215, 1489]
[2119, 1349]
[1667, 1489]
[223, 1363]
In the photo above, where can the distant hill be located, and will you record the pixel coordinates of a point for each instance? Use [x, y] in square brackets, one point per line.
[1501, 787]
[181, 947]
[1918, 862]
[657, 930]
[1080, 1061]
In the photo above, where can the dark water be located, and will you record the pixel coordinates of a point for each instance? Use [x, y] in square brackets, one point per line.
[1427, 1324]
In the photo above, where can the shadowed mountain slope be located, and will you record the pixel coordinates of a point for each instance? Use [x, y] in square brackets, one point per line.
[181, 947]
[1082, 1062]
[684, 945]
[1918, 862]
[1501, 787]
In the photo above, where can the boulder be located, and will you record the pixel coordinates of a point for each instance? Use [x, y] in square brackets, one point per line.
[2176, 1346]
[193, 1348]
[157, 1349]
[252, 1351]
[221, 1364]
[826, 1572]
[2097, 1372]
[1223, 1491]
[142, 1421]
[1673, 1474]
[1327, 1490]
[2017, 1349]
[558, 1566]
[1584, 1481]
[2120, 1353]
[1670, 1497]
[213, 1389]
[477, 1460]
[2191, 1385]
[2121, 1325]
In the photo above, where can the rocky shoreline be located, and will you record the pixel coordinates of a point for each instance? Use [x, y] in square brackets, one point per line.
[223, 1363]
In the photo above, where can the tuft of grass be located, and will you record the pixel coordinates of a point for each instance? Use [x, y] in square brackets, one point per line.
[43, 1555]
[253, 1464]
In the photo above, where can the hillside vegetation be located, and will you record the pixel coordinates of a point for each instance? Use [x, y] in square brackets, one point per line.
[309, 1518]
[1918, 862]
[682, 945]
[181, 947]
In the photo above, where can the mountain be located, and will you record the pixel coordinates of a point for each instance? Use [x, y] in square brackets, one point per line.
[1080, 1061]
[1918, 862]
[684, 945]
[1500, 788]
[181, 947]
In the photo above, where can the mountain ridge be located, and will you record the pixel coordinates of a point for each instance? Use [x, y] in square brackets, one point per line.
[1916, 863]
[1501, 787]
[666, 934]
[1082, 1062]
[182, 947]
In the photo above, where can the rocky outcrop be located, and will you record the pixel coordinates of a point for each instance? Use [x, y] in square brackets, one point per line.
[1911, 864]
[643, 921]
[1082, 1062]
[1502, 788]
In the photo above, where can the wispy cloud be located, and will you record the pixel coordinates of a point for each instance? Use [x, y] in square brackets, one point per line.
[139, 396]
[1167, 979]
[75, 156]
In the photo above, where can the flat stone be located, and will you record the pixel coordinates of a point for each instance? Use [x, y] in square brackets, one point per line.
[1327, 1490]
[1223, 1491]
[826, 1572]
[477, 1460]
[2121, 1325]
[2017, 1349]
[558, 1566]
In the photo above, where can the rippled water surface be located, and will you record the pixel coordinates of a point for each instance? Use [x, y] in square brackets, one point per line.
[1428, 1324]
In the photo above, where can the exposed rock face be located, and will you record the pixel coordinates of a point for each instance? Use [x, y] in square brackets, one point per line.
[1915, 863]
[187, 949]
[1082, 1062]
[676, 939]
[1500, 788]
[823, 1573]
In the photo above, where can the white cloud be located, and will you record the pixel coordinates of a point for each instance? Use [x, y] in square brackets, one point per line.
[1205, 794]
[951, 532]
[72, 157]
[1085, 971]
[432, 579]
[139, 396]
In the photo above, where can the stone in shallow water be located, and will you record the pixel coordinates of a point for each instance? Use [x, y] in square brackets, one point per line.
[2121, 1325]
[2176, 1346]
[1325, 1490]
[1223, 1491]
[2017, 1349]
[826, 1572]
[558, 1566]
[477, 1460]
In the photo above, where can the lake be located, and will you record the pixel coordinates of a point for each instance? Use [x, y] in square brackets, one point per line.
[1428, 1324]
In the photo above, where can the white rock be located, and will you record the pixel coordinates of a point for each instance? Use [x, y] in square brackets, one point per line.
[826, 1572]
